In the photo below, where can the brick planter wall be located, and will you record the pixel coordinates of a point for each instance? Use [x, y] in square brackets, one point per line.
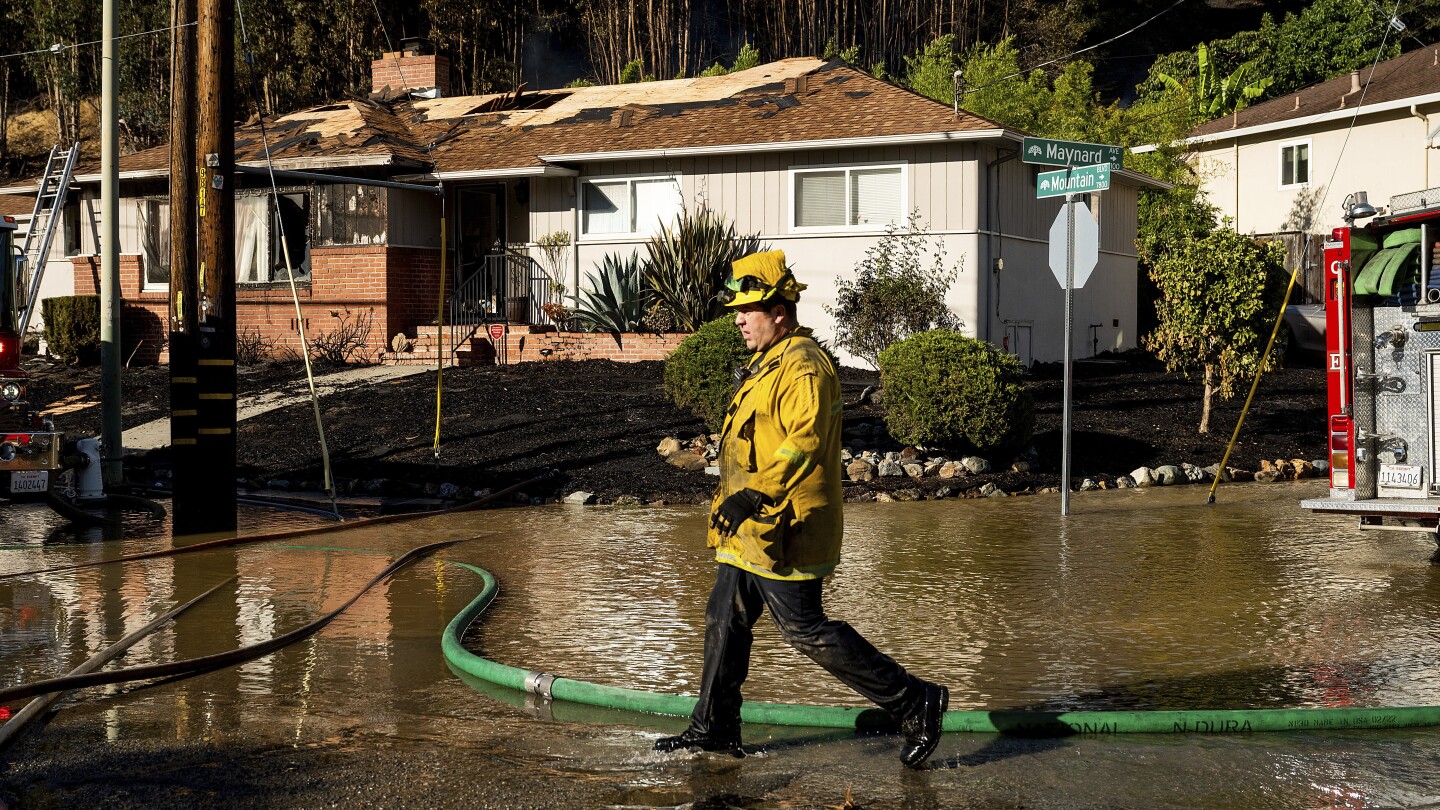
[392, 289]
[524, 346]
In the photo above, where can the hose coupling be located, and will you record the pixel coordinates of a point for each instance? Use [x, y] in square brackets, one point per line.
[540, 683]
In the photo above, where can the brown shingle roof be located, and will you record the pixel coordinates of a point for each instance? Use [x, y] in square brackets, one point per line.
[16, 205]
[788, 101]
[1413, 74]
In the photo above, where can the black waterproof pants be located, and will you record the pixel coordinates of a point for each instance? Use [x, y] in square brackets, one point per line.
[734, 607]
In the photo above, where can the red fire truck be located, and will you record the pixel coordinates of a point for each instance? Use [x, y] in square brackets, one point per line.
[29, 446]
[1382, 342]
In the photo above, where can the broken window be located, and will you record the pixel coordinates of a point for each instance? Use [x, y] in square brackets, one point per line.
[155, 242]
[268, 230]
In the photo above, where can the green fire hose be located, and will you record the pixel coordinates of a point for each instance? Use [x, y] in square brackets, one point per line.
[1019, 722]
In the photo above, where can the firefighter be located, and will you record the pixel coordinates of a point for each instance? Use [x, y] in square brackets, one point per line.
[776, 525]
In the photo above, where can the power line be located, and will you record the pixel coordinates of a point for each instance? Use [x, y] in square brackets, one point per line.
[1072, 54]
[60, 47]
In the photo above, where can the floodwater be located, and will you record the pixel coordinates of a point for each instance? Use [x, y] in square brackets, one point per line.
[1142, 599]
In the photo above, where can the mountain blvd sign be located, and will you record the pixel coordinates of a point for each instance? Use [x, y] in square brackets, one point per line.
[1050, 152]
[1079, 180]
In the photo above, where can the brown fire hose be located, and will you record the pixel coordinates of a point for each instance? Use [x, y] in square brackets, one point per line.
[288, 534]
[208, 663]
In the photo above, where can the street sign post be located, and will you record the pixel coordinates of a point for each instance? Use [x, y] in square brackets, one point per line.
[497, 337]
[1079, 180]
[1074, 251]
[1050, 152]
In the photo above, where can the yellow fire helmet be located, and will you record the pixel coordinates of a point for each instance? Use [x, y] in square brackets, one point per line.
[759, 277]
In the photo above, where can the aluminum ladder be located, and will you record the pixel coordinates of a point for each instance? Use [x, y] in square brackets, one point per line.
[49, 209]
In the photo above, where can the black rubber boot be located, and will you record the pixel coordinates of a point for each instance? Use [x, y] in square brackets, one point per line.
[692, 740]
[922, 726]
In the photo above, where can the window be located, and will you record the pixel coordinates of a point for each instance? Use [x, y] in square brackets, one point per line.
[1295, 164]
[858, 197]
[71, 226]
[625, 206]
[260, 248]
[155, 242]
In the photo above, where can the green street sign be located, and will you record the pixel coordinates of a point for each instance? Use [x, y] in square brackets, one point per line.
[1050, 152]
[1073, 181]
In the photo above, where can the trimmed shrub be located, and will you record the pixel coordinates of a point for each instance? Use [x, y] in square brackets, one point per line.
[72, 327]
[699, 374]
[945, 390]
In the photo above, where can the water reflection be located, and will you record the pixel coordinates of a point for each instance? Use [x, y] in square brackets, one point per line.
[1142, 599]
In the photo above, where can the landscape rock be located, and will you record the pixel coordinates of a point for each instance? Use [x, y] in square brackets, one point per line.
[627, 500]
[1300, 468]
[915, 471]
[1267, 476]
[907, 495]
[883, 497]
[1124, 482]
[975, 465]
[448, 490]
[861, 470]
[951, 469]
[909, 453]
[1168, 474]
[1213, 471]
[1088, 484]
[1020, 466]
[687, 460]
[933, 466]
[944, 492]
[1143, 477]
[890, 469]
[1321, 466]
[1239, 475]
[667, 447]
[580, 498]
[1193, 474]
[989, 490]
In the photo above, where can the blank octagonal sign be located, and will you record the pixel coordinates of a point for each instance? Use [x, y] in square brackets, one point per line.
[1087, 245]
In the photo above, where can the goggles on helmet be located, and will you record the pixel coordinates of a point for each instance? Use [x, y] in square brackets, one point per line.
[735, 286]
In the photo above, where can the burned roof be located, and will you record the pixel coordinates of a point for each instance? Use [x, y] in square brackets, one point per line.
[1407, 76]
[788, 101]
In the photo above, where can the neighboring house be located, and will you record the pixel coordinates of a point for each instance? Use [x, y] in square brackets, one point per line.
[816, 157]
[1284, 168]
[61, 282]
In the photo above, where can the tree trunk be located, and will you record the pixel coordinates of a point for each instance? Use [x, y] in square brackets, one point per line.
[1205, 404]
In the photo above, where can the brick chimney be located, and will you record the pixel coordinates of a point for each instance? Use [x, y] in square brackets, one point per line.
[411, 68]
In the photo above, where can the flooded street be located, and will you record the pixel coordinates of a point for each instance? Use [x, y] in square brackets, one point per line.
[1143, 599]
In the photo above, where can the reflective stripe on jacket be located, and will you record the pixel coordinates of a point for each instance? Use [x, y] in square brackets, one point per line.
[782, 438]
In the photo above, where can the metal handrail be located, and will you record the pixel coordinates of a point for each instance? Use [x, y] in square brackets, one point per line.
[486, 296]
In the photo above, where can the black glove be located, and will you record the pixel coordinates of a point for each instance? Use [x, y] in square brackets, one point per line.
[735, 510]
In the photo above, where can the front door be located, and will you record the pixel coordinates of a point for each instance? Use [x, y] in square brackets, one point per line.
[482, 227]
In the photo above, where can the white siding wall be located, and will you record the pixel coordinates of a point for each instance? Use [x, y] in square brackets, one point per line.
[1386, 155]
[946, 183]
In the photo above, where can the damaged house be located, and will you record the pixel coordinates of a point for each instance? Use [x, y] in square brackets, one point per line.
[816, 157]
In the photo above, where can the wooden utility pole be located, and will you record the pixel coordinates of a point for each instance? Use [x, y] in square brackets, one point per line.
[215, 308]
[188, 501]
[111, 301]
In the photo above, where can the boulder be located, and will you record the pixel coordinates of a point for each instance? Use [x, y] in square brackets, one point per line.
[907, 495]
[1168, 474]
[989, 490]
[884, 497]
[913, 470]
[860, 471]
[1088, 484]
[944, 492]
[1239, 475]
[668, 447]
[687, 460]
[909, 454]
[1321, 466]
[1213, 471]
[1143, 477]
[1020, 466]
[1267, 476]
[1300, 468]
[1124, 482]
[951, 469]
[890, 469]
[580, 498]
[975, 465]
[449, 490]
[932, 467]
[627, 500]
[1193, 474]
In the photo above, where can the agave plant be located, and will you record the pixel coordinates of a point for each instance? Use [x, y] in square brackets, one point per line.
[615, 299]
[690, 261]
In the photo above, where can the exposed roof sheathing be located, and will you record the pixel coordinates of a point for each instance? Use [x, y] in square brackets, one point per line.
[786, 102]
[1407, 76]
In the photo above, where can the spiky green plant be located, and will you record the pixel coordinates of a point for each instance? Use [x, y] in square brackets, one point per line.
[690, 261]
[614, 298]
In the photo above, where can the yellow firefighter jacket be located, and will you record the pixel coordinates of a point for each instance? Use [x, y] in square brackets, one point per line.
[782, 438]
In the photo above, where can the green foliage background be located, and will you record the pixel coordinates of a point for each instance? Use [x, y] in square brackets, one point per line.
[698, 374]
[72, 327]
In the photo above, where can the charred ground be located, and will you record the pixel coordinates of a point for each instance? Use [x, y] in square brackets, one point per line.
[597, 423]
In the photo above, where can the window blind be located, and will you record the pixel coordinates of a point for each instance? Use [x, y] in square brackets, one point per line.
[819, 199]
[874, 196]
[607, 207]
[657, 204]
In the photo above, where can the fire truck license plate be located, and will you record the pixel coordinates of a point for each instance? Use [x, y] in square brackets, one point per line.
[1400, 476]
[29, 480]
